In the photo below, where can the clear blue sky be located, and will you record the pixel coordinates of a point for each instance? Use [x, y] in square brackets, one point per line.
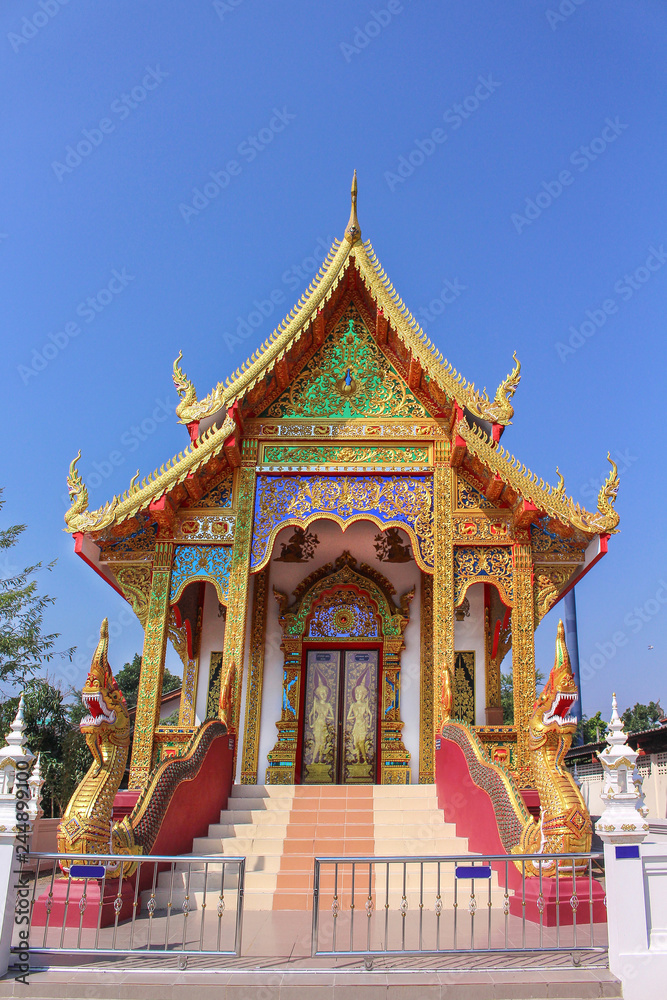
[169, 93]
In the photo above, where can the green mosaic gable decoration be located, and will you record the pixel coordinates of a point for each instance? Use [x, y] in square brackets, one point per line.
[348, 377]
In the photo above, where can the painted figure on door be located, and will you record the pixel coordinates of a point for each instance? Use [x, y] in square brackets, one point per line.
[360, 717]
[319, 718]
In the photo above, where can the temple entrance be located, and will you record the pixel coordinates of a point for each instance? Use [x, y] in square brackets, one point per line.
[340, 718]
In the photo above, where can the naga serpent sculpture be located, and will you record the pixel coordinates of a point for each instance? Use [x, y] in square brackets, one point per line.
[87, 826]
[564, 826]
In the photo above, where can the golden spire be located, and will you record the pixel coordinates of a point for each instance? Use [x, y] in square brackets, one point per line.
[353, 232]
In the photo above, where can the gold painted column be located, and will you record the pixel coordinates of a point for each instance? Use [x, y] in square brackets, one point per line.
[443, 577]
[494, 710]
[152, 666]
[426, 738]
[239, 575]
[253, 698]
[394, 757]
[523, 656]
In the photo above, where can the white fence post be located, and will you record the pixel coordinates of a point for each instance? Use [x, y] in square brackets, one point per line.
[19, 804]
[635, 873]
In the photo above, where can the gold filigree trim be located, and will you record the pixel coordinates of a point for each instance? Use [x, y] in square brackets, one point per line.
[136, 498]
[551, 500]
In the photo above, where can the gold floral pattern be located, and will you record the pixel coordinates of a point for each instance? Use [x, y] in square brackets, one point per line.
[348, 377]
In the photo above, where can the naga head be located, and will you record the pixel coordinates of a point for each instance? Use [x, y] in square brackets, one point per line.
[107, 717]
[552, 711]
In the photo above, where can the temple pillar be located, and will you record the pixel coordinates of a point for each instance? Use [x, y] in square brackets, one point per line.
[426, 738]
[152, 666]
[239, 576]
[394, 758]
[523, 656]
[253, 700]
[493, 707]
[443, 577]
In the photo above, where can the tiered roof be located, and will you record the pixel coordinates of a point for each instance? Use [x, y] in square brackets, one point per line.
[472, 420]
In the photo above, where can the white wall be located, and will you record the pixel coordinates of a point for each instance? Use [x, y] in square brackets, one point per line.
[469, 635]
[212, 638]
[358, 539]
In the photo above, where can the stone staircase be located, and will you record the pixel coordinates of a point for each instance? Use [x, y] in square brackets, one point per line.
[281, 829]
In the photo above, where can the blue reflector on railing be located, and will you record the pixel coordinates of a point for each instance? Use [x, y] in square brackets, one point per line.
[627, 851]
[87, 871]
[473, 871]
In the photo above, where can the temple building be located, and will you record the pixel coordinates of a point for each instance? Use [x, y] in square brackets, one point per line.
[343, 527]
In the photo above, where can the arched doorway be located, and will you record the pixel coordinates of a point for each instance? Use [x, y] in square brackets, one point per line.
[342, 650]
[342, 639]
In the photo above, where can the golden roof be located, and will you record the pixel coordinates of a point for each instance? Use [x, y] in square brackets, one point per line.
[350, 253]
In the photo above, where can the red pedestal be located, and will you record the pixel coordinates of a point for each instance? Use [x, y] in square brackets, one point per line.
[124, 803]
[531, 798]
[92, 910]
[556, 906]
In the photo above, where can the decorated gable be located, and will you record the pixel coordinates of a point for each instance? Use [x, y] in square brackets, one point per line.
[349, 376]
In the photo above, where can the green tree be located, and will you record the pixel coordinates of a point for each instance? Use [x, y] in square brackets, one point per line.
[642, 717]
[52, 729]
[128, 680]
[23, 646]
[507, 694]
[592, 729]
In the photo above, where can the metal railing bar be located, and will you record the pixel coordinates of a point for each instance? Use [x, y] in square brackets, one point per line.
[369, 906]
[240, 893]
[558, 902]
[49, 897]
[118, 908]
[523, 902]
[315, 933]
[203, 908]
[62, 933]
[352, 905]
[169, 905]
[150, 915]
[135, 905]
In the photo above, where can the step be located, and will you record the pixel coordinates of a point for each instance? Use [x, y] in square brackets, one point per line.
[281, 829]
[264, 791]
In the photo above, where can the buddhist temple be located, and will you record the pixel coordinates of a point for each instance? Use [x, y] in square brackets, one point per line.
[342, 539]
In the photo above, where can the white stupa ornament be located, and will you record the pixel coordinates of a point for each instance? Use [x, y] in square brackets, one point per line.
[623, 820]
[14, 756]
[15, 751]
[35, 784]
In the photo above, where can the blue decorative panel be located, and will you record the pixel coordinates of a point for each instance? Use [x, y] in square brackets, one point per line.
[201, 562]
[397, 501]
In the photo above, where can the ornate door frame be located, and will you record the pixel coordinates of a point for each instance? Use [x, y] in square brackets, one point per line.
[294, 620]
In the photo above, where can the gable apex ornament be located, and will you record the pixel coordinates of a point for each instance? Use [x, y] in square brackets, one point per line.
[353, 230]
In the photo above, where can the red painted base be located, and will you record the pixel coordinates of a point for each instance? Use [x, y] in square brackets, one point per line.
[557, 908]
[92, 910]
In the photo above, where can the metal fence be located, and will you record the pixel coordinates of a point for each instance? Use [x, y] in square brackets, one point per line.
[372, 906]
[176, 906]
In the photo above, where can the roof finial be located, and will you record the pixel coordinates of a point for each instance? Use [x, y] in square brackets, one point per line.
[353, 232]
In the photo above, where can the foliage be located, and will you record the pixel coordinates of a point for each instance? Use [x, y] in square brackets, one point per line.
[23, 647]
[52, 729]
[593, 729]
[642, 717]
[171, 720]
[507, 694]
[128, 680]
